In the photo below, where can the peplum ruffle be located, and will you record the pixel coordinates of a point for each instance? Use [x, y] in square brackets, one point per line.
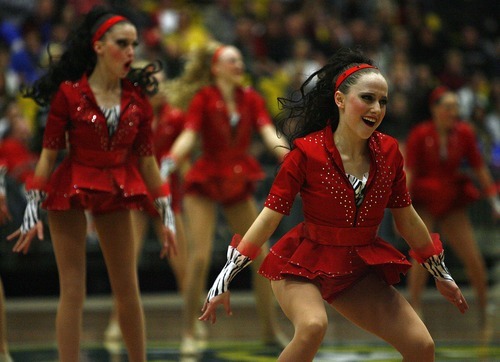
[297, 254]
[224, 180]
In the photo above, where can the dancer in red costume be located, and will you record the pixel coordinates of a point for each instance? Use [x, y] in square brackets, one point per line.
[441, 192]
[223, 114]
[103, 117]
[168, 123]
[347, 173]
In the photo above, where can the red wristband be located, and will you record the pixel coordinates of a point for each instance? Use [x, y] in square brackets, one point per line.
[245, 247]
[35, 183]
[422, 254]
[163, 190]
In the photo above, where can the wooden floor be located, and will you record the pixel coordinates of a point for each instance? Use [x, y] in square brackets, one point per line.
[458, 337]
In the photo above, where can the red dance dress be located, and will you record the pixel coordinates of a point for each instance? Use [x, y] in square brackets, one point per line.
[225, 172]
[439, 183]
[97, 173]
[337, 244]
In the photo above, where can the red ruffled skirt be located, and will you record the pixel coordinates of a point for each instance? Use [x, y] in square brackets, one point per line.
[224, 181]
[315, 251]
[441, 196]
[97, 189]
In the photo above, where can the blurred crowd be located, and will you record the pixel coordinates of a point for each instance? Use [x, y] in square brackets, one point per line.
[417, 44]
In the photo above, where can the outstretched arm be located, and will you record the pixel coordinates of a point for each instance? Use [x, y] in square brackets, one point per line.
[240, 254]
[428, 251]
[490, 189]
[181, 148]
[275, 144]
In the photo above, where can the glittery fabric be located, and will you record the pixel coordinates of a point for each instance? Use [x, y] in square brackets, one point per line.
[342, 245]
[439, 183]
[225, 172]
[96, 161]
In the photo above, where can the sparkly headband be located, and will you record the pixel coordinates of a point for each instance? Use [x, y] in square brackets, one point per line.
[217, 54]
[104, 27]
[349, 72]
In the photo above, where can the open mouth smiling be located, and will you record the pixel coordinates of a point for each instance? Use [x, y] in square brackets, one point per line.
[369, 122]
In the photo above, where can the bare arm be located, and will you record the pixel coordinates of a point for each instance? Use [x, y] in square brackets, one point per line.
[148, 167]
[411, 227]
[414, 231]
[46, 163]
[489, 188]
[275, 144]
[484, 177]
[184, 144]
[263, 227]
[260, 231]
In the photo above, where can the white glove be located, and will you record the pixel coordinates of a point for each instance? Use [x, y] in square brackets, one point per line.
[235, 263]
[167, 166]
[435, 265]
[32, 212]
[164, 206]
[495, 205]
[3, 172]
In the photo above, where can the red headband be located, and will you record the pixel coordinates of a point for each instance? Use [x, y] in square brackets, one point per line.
[104, 27]
[217, 54]
[437, 94]
[349, 72]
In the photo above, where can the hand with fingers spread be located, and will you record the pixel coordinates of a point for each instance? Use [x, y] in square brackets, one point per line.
[210, 307]
[32, 225]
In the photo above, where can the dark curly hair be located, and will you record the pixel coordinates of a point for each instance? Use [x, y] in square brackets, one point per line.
[79, 58]
[315, 107]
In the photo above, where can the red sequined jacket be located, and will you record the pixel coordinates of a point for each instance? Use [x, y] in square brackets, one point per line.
[96, 161]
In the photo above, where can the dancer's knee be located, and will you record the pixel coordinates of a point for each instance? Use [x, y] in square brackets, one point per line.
[312, 330]
[421, 350]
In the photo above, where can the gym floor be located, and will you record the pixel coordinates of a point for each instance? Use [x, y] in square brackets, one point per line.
[31, 334]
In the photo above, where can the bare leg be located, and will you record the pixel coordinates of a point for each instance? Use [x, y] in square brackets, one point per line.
[201, 218]
[119, 250]
[68, 231]
[460, 236]
[380, 309]
[240, 217]
[418, 276]
[140, 226]
[177, 262]
[303, 305]
[4, 346]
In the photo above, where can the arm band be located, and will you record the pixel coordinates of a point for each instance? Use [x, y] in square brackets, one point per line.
[236, 262]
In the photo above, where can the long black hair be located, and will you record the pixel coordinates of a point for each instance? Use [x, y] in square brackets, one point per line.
[79, 58]
[315, 107]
